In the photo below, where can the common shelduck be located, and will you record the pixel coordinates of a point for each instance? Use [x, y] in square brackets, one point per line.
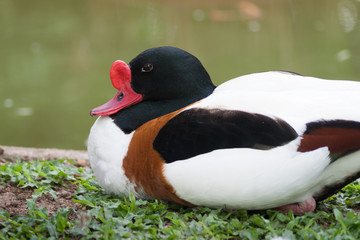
[265, 140]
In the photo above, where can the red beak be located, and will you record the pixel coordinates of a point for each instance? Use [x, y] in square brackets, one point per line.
[120, 75]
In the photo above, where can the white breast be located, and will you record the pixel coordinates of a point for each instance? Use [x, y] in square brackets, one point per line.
[107, 146]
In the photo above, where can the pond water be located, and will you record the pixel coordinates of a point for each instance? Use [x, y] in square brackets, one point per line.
[56, 55]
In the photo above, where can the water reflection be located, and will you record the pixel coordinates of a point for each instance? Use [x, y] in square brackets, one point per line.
[55, 56]
[348, 15]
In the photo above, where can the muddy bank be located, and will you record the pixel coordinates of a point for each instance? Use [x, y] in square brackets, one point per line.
[12, 153]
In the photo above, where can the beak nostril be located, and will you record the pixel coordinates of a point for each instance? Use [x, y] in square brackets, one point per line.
[120, 96]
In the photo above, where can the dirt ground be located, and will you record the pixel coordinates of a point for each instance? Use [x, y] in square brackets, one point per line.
[13, 198]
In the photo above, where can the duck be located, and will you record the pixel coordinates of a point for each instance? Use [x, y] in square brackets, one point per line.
[268, 140]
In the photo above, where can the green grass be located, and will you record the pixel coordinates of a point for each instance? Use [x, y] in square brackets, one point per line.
[104, 216]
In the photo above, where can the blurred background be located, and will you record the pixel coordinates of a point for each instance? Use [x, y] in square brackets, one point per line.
[55, 56]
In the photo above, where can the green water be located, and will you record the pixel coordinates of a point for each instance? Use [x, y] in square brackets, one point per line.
[55, 56]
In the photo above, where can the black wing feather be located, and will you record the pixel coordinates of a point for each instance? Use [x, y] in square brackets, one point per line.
[198, 131]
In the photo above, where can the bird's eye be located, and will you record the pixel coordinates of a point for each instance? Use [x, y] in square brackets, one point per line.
[147, 67]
